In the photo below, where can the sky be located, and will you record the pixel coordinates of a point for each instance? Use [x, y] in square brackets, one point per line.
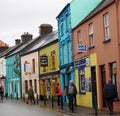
[19, 16]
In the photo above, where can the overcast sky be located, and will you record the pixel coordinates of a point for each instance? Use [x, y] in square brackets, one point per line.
[19, 16]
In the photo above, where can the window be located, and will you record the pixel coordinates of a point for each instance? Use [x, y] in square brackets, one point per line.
[26, 86]
[69, 52]
[91, 38]
[79, 38]
[61, 27]
[113, 73]
[106, 26]
[53, 59]
[82, 82]
[33, 65]
[67, 22]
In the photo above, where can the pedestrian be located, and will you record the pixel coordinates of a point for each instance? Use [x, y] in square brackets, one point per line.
[1, 92]
[70, 91]
[58, 93]
[110, 92]
[31, 95]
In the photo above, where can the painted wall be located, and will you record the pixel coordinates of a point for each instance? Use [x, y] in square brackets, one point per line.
[13, 76]
[3, 72]
[28, 73]
[49, 75]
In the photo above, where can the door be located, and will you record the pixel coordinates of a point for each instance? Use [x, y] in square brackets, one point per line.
[94, 87]
[103, 80]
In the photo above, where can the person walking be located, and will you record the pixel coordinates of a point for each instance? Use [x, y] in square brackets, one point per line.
[110, 92]
[58, 93]
[1, 93]
[31, 95]
[71, 92]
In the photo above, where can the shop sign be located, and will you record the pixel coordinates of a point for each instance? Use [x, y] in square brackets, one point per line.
[43, 60]
[82, 48]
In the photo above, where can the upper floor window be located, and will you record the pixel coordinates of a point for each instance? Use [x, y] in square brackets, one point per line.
[106, 26]
[53, 58]
[67, 22]
[79, 38]
[33, 65]
[91, 37]
[61, 27]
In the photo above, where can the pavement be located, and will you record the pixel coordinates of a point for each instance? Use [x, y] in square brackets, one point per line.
[78, 110]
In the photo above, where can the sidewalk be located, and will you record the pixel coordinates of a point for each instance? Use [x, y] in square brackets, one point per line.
[78, 110]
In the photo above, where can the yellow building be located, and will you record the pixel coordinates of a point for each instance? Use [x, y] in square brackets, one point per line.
[49, 65]
[86, 80]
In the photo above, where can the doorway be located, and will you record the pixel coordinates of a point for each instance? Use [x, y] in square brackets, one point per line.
[94, 86]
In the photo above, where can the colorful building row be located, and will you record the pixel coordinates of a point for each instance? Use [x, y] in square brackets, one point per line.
[32, 62]
[85, 49]
[93, 37]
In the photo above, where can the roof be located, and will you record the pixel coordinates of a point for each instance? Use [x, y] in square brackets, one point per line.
[9, 50]
[96, 10]
[41, 42]
[80, 9]
[3, 44]
[23, 45]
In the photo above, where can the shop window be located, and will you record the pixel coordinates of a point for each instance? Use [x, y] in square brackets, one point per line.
[82, 82]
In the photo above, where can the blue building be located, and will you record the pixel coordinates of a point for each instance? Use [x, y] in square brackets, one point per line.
[70, 16]
[65, 46]
[13, 68]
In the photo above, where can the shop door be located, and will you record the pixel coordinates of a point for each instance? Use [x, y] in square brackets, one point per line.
[94, 87]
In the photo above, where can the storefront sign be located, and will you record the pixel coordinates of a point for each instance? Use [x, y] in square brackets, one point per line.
[82, 48]
[43, 61]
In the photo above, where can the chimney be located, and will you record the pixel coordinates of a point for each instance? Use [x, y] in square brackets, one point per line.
[45, 29]
[26, 37]
[17, 41]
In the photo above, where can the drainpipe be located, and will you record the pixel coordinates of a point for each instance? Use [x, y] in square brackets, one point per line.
[117, 20]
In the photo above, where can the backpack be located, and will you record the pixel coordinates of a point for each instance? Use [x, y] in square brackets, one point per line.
[56, 90]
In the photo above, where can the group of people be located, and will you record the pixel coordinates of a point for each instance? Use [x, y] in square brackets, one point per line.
[70, 91]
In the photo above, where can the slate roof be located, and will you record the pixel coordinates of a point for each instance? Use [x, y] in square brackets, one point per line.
[97, 9]
[41, 42]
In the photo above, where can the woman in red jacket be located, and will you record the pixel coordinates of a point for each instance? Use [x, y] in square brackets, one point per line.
[58, 92]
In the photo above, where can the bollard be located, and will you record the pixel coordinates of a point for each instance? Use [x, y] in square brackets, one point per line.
[17, 96]
[11, 96]
[6, 95]
[61, 103]
[44, 100]
[37, 98]
[52, 102]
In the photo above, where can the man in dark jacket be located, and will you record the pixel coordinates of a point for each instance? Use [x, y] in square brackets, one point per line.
[109, 92]
[71, 92]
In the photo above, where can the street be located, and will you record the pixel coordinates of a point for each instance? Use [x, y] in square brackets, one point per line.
[14, 108]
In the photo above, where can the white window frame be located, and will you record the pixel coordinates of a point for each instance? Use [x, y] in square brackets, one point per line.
[79, 37]
[106, 26]
[91, 34]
